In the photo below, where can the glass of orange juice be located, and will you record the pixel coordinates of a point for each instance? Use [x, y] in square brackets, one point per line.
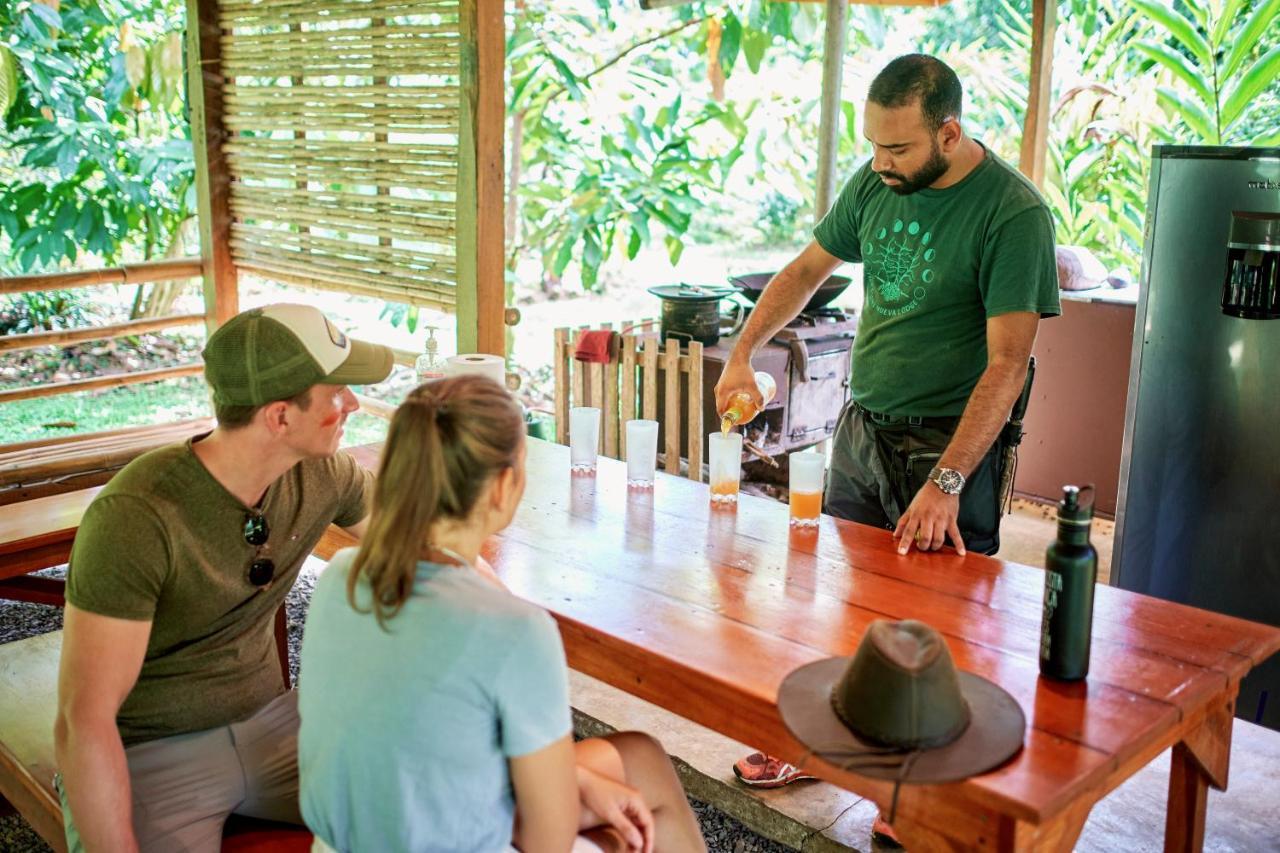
[807, 470]
[724, 458]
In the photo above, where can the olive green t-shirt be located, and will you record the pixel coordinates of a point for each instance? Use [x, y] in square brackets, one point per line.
[936, 265]
[164, 542]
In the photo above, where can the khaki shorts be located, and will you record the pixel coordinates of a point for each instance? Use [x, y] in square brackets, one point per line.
[184, 787]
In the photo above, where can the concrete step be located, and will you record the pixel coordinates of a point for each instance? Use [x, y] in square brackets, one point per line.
[815, 816]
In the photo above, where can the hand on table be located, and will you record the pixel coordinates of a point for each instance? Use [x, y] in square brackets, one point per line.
[929, 519]
[619, 806]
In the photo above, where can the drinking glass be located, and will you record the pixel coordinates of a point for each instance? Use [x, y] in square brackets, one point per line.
[807, 470]
[584, 439]
[642, 453]
[724, 457]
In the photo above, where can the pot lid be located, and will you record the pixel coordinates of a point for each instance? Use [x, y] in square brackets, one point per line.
[692, 292]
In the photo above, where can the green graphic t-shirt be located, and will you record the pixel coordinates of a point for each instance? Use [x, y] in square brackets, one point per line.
[936, 265]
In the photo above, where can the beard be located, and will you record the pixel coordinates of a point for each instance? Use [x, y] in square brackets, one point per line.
[935, 167]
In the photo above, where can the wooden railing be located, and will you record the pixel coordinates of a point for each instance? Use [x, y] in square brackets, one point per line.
[140, 273]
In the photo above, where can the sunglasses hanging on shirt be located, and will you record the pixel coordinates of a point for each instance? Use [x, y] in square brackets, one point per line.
[256, 533]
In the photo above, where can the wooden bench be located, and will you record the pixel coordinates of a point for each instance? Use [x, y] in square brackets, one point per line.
[38, 534]
[33, 469]
[28, 705]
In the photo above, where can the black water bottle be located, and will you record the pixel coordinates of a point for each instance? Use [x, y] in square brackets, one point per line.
[1071, 569]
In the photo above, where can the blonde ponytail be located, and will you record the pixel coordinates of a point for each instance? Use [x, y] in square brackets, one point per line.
[447, 440]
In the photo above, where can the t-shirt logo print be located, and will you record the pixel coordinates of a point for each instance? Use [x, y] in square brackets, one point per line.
[896, 260]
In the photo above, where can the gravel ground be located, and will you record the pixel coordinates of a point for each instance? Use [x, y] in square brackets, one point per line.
[18, 620]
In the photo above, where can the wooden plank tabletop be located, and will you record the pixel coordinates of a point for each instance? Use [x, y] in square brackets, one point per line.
[704, 612]
[37, 533]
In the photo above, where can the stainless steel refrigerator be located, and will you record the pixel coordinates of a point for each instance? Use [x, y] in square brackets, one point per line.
[1199, 504]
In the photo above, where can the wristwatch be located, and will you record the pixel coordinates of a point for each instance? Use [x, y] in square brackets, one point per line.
[949, 480]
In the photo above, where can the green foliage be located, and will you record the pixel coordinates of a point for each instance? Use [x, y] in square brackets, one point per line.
[591, 181]
[131, 405]
[396, 313]
[43, 311]
[97, 154]
[1216, 57]
[779, 218]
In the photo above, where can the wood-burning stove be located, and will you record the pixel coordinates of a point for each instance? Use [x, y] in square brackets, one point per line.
[809, 360]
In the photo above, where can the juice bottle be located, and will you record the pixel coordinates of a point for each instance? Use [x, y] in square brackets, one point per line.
[742, 409]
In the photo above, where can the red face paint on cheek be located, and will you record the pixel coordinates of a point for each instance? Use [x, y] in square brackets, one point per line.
[330, 421]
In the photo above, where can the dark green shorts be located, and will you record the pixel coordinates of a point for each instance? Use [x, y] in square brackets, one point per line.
[879, 462]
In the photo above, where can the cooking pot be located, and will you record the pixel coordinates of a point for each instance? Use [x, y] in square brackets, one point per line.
[752, 285]
[691, 312]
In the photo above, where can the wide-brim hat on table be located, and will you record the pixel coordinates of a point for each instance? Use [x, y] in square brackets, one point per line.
[899, 709]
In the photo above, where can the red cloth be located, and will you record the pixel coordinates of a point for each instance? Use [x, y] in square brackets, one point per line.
[595, 346]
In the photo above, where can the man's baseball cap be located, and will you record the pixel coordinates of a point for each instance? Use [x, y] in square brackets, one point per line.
[279, 351]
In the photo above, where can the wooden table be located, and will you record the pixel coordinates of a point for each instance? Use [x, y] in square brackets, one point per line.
[36, 534]
[704, 612]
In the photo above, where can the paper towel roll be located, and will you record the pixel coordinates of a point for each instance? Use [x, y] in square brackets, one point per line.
[484, 364]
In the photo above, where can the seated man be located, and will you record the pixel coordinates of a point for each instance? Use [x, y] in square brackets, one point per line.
[172, 711]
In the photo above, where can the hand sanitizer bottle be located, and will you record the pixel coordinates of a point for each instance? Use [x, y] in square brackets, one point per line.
[429, 365]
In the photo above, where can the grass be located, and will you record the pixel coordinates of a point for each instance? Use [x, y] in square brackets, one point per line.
[72, 414]
[133, 405]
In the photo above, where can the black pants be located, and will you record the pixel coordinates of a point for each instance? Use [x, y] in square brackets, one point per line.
[879, 462]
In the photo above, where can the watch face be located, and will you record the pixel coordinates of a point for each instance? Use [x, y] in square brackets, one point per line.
[950, 481]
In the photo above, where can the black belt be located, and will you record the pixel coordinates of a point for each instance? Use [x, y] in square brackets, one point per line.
[946, 422]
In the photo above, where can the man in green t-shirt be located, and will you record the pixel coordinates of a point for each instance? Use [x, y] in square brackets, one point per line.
[958, 268]
[172, 709]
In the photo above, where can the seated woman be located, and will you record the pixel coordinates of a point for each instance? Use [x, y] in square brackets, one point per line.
[434, 704]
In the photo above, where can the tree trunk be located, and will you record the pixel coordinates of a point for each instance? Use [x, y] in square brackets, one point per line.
[164, 293]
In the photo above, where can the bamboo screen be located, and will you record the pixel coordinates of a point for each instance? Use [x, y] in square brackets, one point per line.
[343, 143]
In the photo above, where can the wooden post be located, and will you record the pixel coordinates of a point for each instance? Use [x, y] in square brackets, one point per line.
[611, 425]
[1035, 127]
[829, 127]
[696, 437]
[628, 356]
[562, 386]
[213, 179]
[671, 388]
[649, 373]
[480, 246]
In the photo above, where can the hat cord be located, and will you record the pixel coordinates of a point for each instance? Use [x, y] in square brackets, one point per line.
[859, 759]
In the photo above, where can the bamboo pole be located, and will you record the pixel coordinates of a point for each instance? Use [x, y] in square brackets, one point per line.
[213, 179]
[375, 407]
[480, 243]
[63, 337]
[242, 12]
[834, 46]
[104, 437]
[84, 453]
[308, 278]
[112, 381]
[124, 274]
[1035, 127]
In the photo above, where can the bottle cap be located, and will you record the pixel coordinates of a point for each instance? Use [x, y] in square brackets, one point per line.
[1074, 508]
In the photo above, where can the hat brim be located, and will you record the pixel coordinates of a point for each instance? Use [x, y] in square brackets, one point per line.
[994, 735]
[366, 364]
